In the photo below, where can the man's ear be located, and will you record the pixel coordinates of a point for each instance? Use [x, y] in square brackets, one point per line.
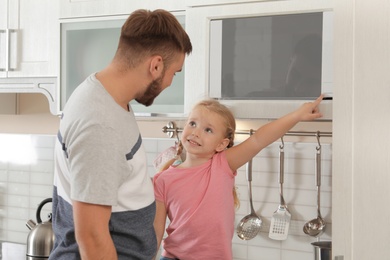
[156, 66]
[222, 146]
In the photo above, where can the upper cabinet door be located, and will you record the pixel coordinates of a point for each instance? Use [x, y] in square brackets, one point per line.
[29, 39]
[88, 8]
[3, 37]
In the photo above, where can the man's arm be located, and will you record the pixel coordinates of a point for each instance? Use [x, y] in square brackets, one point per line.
[92, 233]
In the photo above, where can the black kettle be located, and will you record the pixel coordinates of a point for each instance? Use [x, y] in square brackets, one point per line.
[40, 240]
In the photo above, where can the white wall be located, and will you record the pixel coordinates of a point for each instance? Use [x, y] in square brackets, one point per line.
[361, 161]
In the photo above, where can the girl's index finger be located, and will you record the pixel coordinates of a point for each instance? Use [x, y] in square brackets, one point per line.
[318, 100]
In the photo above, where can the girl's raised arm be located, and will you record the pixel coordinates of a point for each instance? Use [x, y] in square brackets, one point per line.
[240, 154]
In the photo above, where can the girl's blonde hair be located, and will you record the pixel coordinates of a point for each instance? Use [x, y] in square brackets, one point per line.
[230, 125]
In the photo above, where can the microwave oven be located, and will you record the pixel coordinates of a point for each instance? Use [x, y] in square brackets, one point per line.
[261, 63]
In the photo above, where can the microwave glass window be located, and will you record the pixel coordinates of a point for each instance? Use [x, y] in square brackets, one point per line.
[275, 57]
[88, 51]
[89, 46]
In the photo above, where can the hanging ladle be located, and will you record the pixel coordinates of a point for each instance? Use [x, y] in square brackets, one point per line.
[316, 227]
[249, 225]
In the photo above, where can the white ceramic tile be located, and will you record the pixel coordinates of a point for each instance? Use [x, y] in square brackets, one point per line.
[3, 234]
[150, 145]
[17, 237]
[41, 178]
[18, 189]
[18, 167]
[3, 176]
[288, 255]
[3, 165]
[41, 190]
[263, 253]
[18, 176]
[165, 144]
[17, 225]
[17, 201]
[151, 157]
[43, 141]
[3, 201]
[43, 166]
[43, 153]
[298, 243]
[17, 213]
[240, 251]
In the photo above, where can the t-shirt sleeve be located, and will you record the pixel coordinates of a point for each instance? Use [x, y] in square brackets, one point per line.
[95, 178]
[223, 165]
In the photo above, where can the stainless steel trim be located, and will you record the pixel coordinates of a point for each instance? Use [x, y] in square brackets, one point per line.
[169, 128]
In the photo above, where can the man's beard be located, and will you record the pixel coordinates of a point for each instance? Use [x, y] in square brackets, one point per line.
[152, 91]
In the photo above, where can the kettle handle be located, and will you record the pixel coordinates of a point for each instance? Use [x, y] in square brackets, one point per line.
[38, 216]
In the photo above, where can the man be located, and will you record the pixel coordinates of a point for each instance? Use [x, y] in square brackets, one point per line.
[103, 202]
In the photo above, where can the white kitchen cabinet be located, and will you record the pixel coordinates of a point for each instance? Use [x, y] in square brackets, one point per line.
[197, 77]
[29, 48]
[29, 38]
[89, 8]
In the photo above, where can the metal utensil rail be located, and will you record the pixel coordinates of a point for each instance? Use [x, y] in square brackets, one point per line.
[171, 130]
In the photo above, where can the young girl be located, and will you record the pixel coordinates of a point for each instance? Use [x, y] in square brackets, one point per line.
[196, 195]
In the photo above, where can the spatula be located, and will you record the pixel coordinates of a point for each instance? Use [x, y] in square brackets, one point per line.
[280, 221]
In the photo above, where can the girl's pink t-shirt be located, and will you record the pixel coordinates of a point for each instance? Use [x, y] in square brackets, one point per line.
[200, 207]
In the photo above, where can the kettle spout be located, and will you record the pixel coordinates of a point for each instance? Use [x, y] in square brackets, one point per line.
[31, 224]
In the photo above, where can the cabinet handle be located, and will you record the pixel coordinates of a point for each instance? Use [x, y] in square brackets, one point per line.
[8, 50]
[5, 32]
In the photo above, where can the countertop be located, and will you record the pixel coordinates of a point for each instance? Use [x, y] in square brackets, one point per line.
[12, 251]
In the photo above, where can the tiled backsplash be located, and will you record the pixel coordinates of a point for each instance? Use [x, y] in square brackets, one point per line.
[26, 177]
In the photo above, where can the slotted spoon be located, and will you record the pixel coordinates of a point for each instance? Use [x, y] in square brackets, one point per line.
[280, 221]
[250, 225]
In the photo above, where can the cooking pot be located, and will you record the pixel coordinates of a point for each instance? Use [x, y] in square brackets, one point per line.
[322, 250]
[40, 239]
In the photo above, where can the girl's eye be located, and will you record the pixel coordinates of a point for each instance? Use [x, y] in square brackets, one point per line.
[191, 123]
[209, 130]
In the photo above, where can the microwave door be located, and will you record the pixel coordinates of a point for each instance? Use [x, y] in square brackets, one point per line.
[215, 62]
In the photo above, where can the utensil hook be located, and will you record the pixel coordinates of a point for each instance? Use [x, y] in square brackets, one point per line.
[281, 146]
[318, 141]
